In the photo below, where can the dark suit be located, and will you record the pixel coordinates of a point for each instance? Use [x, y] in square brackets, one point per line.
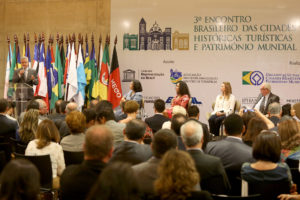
[213, 177]
[8, 127]
[24, 91]
[146, 174]
[77, 180]
[275, 120]
[131, 152]
[272, 98]
[156, 121]
[233, 153]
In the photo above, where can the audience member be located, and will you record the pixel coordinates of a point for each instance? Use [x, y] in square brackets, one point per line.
[105, 115]
[175, 110]
[63, 127]
[178, 178]
[274, 112]
[265, 98]
[77, 180]
[156, 121]
[116, 182]
[177, 121]
[32, 104]
[246, 115]
[59, 113]
[224, 106]
[131, 109]
[10, 112]
[28, 127]
[132, 149]
[194, 114]
[289, 132]
[135, 92]
[43, 109]
[255, 126]
[20, 180]
[266, 169]
[8, 126]
[76, 122]
[120, 114]
[93, 103]
[210, 168]
[288, 110]
[72, 106]
[46, 142]
[146, 172]
[90, 115]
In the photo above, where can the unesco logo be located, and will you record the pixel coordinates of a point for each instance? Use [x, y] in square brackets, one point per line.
[256, 78]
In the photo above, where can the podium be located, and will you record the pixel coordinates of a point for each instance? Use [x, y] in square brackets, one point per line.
[22, 93]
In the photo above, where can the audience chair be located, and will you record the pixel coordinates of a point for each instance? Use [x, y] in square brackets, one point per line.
[43, 164]
[225, 197]
[234, 177]
[73, 157]
[6, 148]
[294, 167]
[3, 160]
[17, 146]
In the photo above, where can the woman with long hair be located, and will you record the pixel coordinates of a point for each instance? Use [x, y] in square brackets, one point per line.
[28, 127]
[135, 92]
[224, 106]
[255, 126]
[46, 143]
[20, 180]
[178, 178]
[289, 132]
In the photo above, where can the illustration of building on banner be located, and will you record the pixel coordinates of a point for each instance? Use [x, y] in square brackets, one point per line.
[128, 75]
[155, 39]
[180, 41]
[130, 41]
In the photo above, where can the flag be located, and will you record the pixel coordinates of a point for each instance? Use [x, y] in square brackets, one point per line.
[67, 63]
[49, 71]
[8, 66]
[35, 61]
[41, 88]
[104, 74]
[100, 57]
[27, 54]
[19, 66]
[87, 69]
[93, 88]
[81, 80]
[72, 84]
[14, 65]
[63, 62]
[57, 71]
[114, 86]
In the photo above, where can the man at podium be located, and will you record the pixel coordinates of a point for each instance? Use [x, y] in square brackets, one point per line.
[25, 79]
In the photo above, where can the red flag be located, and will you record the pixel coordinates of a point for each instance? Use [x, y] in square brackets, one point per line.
[114, 86]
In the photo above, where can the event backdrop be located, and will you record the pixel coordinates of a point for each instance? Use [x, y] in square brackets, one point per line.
[207, 42]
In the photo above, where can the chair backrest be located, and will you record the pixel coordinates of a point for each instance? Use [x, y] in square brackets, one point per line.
[6, 147]
[294, 166]
[237, 106]
[225, 197]
[292, 163]
[3, 160]
[268, 189]
[73, 157]
[234, 177]
[43, 164]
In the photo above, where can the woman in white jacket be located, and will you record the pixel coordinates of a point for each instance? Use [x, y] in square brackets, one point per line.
[224, 106]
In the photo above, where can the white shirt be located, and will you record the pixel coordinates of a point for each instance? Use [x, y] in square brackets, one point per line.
[56, 155]
[257, 106]
[227, 105]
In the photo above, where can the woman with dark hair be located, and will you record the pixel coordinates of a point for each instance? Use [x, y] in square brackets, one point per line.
[266, 169]
[289, 132]
[224, 106]
[46, 143]
[182, 95]
[20, 180]
[178, 178]
[255, 126]
[135, 92]
[116, 182]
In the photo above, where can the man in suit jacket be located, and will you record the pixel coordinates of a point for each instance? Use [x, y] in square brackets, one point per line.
[210, 168]
[77, 180]
[274, 113]
[265, 98]
[8, 126]
[156, 121]
[25, 79]
[132, 150]
[232, 151]
[146, 172]
[194, 114]
[177, 121]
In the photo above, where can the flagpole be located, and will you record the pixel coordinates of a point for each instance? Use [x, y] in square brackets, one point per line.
[17, 48]
[9, 56]
[99, 53]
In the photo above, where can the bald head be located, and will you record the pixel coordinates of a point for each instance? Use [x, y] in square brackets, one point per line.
[72, 106]
[98, 143]
[191, 133]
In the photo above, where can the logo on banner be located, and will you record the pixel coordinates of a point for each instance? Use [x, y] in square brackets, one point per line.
[194, 100]
[175, 76]
[252, 78]
[128, 75]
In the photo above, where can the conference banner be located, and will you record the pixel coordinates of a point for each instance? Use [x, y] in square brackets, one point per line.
[205, 43]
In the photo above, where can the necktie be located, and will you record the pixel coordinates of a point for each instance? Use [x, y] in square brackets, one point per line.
[262, 105]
